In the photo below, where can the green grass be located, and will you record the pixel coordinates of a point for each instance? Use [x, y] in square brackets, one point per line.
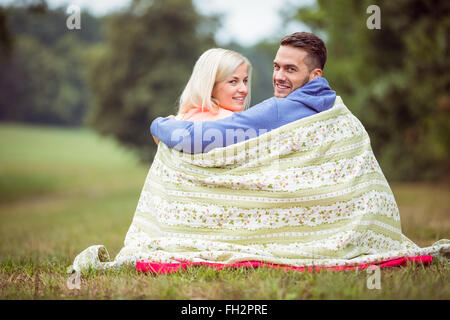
[63, 190]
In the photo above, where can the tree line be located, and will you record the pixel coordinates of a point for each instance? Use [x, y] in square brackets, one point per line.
[121, 71]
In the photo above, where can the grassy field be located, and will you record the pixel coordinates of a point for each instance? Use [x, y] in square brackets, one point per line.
[63, 190]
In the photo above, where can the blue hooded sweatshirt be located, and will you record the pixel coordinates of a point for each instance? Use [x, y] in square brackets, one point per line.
[202, 136]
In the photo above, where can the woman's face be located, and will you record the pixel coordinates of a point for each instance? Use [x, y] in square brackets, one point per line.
[231, 92]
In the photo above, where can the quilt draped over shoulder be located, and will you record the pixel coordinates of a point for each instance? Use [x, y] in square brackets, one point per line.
[309, 193]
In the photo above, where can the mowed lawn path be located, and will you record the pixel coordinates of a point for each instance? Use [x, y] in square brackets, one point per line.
[64, 189]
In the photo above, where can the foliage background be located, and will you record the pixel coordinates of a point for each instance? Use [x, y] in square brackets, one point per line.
[121, 71]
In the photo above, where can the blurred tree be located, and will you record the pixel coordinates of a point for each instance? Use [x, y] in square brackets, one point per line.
[42, 77]
[48, 27]
[396, 79]
[142, 68]
[6, 39]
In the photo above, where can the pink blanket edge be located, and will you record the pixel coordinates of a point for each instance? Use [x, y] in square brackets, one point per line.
[167, 268]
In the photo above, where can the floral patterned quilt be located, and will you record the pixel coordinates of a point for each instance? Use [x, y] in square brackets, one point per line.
[309, 193]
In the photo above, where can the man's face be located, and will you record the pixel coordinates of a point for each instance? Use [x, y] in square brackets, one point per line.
[289, 70]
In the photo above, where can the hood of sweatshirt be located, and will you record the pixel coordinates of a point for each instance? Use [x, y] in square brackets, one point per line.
[316, 94]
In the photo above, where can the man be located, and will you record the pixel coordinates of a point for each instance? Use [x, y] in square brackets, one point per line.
[299, 91]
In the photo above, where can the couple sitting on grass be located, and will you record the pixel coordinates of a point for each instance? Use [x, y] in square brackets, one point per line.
[290, 182]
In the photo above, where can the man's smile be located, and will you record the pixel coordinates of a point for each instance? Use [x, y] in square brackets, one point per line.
[282, 87]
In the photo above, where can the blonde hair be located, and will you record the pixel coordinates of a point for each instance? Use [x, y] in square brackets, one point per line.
[213, 66]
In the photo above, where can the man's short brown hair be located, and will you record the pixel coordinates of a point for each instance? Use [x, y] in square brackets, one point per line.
[317, 52]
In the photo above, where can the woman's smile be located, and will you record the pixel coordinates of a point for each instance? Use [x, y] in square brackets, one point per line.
[232, 92]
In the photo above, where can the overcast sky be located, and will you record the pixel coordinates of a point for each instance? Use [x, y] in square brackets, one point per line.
[244, 21]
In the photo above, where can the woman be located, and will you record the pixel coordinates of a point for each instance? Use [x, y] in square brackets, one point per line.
[219, 85]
